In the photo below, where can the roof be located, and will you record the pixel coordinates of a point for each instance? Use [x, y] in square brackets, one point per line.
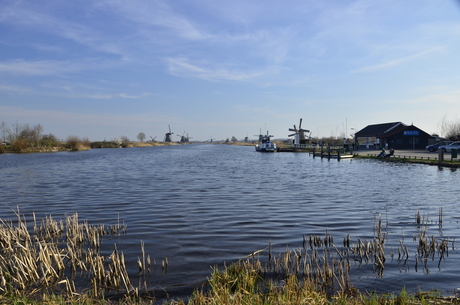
[379, 129]
[386, 130]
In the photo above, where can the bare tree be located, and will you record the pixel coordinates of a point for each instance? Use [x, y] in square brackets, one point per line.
[450, 129]
[124, 141]
[5, 131]
[141, 136]
[37, 131]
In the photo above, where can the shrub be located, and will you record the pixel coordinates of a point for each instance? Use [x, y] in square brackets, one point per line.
[72, 143]
[19, 145]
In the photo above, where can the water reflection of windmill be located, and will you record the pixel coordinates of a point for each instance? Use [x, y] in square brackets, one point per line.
[299, 134]
[168, 135]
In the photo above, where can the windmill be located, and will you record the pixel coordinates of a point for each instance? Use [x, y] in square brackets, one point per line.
[299, 134]
[153, 139]
[168, 135]
[187, 139]
[260, 135]
[183, 138]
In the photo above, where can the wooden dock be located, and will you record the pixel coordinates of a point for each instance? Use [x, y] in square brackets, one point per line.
[328, 152]
[292, 149]
[332, 155]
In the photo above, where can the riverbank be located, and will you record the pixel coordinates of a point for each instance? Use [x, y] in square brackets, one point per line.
[81, 147]
[243, 283]
[411, 156]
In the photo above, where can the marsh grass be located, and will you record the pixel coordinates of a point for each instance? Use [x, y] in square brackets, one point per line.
[57, 262]
[241, 283]
[56, 257]
[319, 272]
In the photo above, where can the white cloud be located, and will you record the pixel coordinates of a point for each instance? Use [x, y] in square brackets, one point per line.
[42, 67]
[398, 61]
[181, 67]
[148, 14]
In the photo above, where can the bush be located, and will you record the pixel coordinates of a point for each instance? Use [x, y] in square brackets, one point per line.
[49, 140]
[72, 143]
[19, 145]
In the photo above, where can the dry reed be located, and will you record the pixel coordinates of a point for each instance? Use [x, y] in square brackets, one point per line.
[53, 255]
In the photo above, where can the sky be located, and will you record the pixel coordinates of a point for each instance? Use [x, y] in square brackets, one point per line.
[102, 69]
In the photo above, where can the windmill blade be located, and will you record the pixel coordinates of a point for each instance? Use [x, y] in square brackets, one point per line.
[292, 135]
[300, 124]
[295, 128]
[290, 129]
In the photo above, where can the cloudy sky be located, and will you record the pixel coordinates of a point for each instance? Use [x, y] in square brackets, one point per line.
[105, 68]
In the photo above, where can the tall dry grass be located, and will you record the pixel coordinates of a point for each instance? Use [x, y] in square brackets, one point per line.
[54, 256]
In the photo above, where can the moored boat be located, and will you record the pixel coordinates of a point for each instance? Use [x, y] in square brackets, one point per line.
[265, 144]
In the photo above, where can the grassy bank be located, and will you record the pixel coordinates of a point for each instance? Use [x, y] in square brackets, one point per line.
[426, 161]
[242, 283]
[78, 146]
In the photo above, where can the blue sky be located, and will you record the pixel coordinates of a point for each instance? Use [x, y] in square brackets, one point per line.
[102, 69]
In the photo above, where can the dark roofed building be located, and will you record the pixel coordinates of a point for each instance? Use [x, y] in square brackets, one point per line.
[396, 135]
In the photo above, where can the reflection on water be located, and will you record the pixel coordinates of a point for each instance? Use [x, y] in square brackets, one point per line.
[202, 205]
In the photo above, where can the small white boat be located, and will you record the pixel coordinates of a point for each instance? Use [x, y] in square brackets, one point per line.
[265, 145]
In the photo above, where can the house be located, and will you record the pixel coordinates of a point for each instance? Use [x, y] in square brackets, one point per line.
[396, 135]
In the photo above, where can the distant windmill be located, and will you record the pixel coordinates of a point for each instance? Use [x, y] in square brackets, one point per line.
[168, 135]
[183, 138]
[153, 139]
[187, 139]
[299, 134]
[260, 135]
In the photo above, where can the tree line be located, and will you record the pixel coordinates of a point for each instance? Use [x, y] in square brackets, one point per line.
[18, 138]
[24, 137]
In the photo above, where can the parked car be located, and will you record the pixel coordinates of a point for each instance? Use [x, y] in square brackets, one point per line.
[435, 147]
[448, 148]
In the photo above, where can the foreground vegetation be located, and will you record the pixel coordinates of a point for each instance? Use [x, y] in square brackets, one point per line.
[61, 262]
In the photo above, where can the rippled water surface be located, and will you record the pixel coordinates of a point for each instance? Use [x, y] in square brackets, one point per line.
[202, 205]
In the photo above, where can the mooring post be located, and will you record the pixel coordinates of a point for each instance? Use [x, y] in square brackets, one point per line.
[441, 155]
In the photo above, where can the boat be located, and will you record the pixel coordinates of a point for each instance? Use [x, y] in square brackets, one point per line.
[265, 145]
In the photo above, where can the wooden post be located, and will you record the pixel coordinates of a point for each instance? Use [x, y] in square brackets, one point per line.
[441, 155]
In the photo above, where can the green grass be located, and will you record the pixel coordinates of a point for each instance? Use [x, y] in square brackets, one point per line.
[241, 284]
[446, 163]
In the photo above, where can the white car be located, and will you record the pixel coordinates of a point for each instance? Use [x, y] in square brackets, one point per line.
[448, 148]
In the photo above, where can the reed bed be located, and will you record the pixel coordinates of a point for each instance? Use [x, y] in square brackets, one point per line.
[58, 256]
[328, 265]
[319, 271]
[49, 257]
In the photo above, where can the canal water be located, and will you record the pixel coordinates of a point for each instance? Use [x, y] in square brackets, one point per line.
[205, 205]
